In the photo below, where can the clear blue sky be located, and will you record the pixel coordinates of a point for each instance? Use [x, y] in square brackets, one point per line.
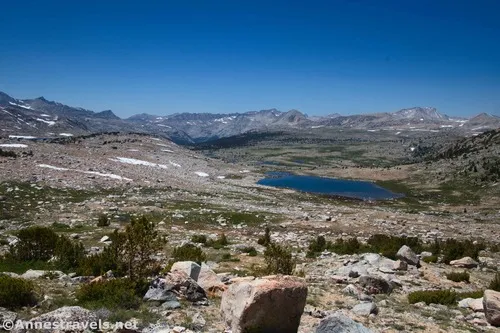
[346, 56]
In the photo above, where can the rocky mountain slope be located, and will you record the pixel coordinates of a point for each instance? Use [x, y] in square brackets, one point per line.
[42, 118]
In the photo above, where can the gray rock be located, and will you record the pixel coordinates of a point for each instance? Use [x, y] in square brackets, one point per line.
[425, 254]
[170, 305]
[6, 315]
[339, 323]
[36, 274]
[350, 290]
[375, 284]
[155, 294]
[175, 283]
[365, 309]
[68, 314]
[198, 322]
[400, 265]
[465, 262]
[191, 268]
[209, 280]
[406, 254]
[491, 305]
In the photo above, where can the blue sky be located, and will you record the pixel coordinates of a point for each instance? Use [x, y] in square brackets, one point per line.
[163, 57]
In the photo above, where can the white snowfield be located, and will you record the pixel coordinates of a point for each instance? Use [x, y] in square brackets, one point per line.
[22, 106]
[134, 161]
[202, 174]
[13, 145]
[65, 134]
[175, 164]
[21, 137]
[48, 122]
[106, 175]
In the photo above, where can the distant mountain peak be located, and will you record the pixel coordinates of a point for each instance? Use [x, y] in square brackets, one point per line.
[106, 114]
[420, 113]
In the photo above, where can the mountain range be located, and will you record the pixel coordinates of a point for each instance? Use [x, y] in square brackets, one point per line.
[40, 117]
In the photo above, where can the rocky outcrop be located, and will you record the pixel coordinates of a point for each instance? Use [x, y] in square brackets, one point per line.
[339, 323]
[69, 315]
[36, 274]
[209, 280]
[491, 305]
[191, 268]
[269, 304]
[174, 284]
[365, 309]
[465, 262]
[406, 254]
[7, 316]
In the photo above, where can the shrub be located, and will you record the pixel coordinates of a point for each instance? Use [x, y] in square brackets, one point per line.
[103, 221]
[495, 283]
[266, 239]
[316, 246]
[7, 153]
[458, 276]
[60, 226]
[430, 259]
[350, 246]
[279, 260]
[453, 249]
[388, 246]
[16, 293]
[219, 243]
[130, 253]
[100, 263]
[470, 294]
[188, 252]
[200, 239]
[112, 294]
[68, 254]
[35, 243]
[139, 243]
[445, 297]
[252, 252]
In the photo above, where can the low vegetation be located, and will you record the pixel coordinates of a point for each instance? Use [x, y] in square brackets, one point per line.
[16, 293]
[112, 294]
[266, 239]
[188, 252]
[279, 260]
[495, 283]
[458, 276]
[103, 221]
[130, 253]
[445, 297]
[218, 243]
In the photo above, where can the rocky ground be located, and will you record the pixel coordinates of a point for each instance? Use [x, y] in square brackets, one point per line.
[68, 184]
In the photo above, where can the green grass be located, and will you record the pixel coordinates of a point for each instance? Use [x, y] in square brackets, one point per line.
[19, 267]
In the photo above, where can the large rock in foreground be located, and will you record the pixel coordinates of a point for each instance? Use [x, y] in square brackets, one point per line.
[272, 304]
[339, 323]
[491, 305]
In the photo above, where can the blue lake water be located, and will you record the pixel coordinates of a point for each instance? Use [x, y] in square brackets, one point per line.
[330, 186]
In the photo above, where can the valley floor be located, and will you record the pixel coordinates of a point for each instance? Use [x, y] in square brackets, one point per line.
[68, 185]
